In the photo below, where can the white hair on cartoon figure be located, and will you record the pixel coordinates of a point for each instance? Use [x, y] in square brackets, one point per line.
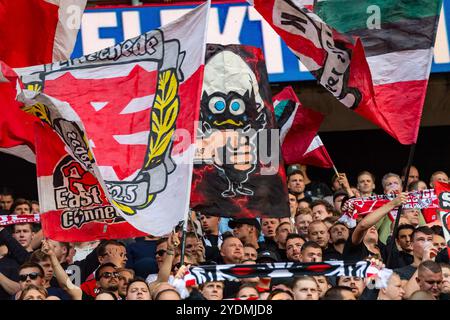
[226, 71]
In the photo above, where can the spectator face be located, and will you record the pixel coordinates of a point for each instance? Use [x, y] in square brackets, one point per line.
[124, 278]
[48, 269]
[269, 226]
[296, 183]
[232, 250]
[393, 185]
[439, 242]
[35, 208]
[404, 240]
[191, 246]
[338, 202]
[312, 255]
[242, 231]
[322, 285]
[394, 289]
[320, 212]
[418, 243]
[210, 224]
[365, 184]
[250, 253]
[109, 279]
[430, 282]
[302, 205]
[22, 209]
[339, 234]
[34, 294]
[246, 293]
[282, 233]
[23, 234]
[412, 215]
[59, 249]
[6, 202]
[293, 249]
[355, 283]
[413, 175]
[306, 290]
[116, 255]
[318, 232]
[446, 279]
[161, 250]
[293, 205]
[302, 222]
[213, 291]
[441, 177]
[29, 276]
[371, 235]
[138, 291]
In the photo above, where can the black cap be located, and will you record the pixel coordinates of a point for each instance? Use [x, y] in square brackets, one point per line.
[265, 255]
[252, 222]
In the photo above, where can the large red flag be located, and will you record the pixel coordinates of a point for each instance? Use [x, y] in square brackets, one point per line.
[339, 63]
[31, 32]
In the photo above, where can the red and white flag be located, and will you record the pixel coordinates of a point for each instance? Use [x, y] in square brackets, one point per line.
[128, 115]
[298, 131]
[73, 203]
[317, 155]
[388, 88]
[31, 32]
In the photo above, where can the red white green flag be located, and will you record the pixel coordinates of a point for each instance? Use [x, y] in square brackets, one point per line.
[379, 72]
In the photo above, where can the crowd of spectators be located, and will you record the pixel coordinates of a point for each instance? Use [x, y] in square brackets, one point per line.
[149, 268]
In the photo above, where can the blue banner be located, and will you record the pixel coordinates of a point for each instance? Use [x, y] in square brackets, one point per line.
[234, 22]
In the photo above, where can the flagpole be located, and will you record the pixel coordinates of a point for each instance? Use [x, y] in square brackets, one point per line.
[400, 208]
[335, 170]
[183, 238]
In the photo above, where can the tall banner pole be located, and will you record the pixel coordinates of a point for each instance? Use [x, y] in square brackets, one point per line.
[400, 209]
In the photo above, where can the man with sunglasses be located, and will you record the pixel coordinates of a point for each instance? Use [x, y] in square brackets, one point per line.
[107, 278]
[30, 273]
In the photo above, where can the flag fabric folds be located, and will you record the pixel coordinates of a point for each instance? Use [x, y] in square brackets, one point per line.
[32, 32]
[73, 203]
[298, 131]
[127, 115]
[389, 87]
[238, 171]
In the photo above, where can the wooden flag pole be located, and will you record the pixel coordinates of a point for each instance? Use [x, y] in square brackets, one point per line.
[400, 208]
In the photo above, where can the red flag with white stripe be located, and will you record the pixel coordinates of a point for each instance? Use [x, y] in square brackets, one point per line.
[32, 32]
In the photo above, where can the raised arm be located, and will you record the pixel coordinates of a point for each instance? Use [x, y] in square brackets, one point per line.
[373, 218]
[16, 251]
[166, 267]
[9, 285]
[61, 276]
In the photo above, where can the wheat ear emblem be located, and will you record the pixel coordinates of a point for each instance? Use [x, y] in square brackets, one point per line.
[163, 118]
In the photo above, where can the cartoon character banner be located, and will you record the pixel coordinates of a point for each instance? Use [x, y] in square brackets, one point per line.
[128, 113]
[238, 170]
[443, 195]
[73, 203]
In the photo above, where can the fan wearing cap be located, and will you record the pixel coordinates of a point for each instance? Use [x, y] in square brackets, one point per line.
[247, 230]
[266, 256]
